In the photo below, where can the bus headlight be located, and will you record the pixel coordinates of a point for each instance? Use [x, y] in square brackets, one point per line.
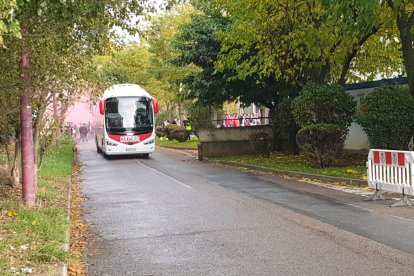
[151, 141]
[109, 143]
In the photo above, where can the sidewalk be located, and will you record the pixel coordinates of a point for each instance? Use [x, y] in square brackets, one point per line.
[352, 192]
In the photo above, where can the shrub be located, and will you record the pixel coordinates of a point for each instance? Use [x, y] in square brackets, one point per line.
[261, 143]
[180, 134]
[159, 131]
[169, 129]
[325, 113]
[201, 116]
[322, 144]
[285, 128]
[386, 115]
[328, 104]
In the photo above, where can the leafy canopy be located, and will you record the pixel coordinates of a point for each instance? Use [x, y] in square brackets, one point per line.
[296, 41]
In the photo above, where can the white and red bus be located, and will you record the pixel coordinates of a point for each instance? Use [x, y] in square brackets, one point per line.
[126, 123]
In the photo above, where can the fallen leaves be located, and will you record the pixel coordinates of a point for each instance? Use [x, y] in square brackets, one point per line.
[11, 214]
[351, 171]
[79, 230]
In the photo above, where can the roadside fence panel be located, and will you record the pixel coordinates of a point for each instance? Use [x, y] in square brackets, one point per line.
[391, 171]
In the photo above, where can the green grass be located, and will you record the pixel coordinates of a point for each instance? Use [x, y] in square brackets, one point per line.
[43, 227]
[190, 144]
[297, 163]
[59, 161]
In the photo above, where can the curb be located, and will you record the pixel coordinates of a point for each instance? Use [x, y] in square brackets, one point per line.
[63, 270]
[176, 148]
[329, 179]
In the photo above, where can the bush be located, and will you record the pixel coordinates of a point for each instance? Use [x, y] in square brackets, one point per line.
[201, 115]
[325, 113]
[285, 128]
[169, 129]
[328, 104]
[386, 115]
[159, 131]
[180, 134]
[322, 144]
[261, 143]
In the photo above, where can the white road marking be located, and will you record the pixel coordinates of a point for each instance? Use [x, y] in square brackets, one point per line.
[394, 216]
[359, 207]
[167, 176]
[407, 219]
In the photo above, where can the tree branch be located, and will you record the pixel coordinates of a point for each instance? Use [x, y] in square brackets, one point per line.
[353, 53]
[411, 20]
[390, 4]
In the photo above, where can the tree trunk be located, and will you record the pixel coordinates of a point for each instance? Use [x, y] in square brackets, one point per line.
[180, 115]
[56, 122]
[15, 172]
[37, 127]
[405, 25]
[13, 163]
[28, 176]
[272, 121]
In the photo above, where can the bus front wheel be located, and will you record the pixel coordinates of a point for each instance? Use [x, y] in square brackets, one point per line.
[145, 155]
[98, 149]
[106, 156]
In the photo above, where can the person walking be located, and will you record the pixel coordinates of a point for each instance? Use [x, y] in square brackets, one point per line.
[189, 128]
[83, 131]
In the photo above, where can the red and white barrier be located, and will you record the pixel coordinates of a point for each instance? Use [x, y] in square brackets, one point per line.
[392, 171]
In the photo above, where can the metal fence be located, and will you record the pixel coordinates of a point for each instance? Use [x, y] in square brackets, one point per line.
[240, 122]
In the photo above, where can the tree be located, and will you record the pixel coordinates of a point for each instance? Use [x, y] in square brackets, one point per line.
[167, 76]
[404, 13]
[86, 25]
[8, 23]
[198, 43]
[297, 41]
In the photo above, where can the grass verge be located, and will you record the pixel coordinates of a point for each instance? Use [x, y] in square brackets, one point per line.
[190, 144]
[350, 166]
[31, 239]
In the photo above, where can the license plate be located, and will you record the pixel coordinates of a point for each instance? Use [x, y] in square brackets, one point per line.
[129, 139]
[131, 149]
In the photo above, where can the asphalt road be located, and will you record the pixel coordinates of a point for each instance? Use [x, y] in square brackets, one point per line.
[172, 215]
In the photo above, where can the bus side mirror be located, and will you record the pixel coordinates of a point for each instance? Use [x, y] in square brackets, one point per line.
[155, 105]
[102, 107]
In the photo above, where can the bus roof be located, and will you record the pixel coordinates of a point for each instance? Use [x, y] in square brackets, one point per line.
[125, 90]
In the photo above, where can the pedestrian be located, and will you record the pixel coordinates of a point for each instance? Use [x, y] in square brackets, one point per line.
[240, 119]
[89, 129]
[189, 128]
[83, 131]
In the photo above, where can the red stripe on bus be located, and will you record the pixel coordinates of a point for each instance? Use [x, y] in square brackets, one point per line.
[142, 137]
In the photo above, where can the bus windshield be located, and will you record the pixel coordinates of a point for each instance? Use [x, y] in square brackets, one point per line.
[128, 114]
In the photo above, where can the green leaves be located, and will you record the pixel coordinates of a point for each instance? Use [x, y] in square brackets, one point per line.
[8, 23]
[297, 41]
[386, 115]
[328, 104]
